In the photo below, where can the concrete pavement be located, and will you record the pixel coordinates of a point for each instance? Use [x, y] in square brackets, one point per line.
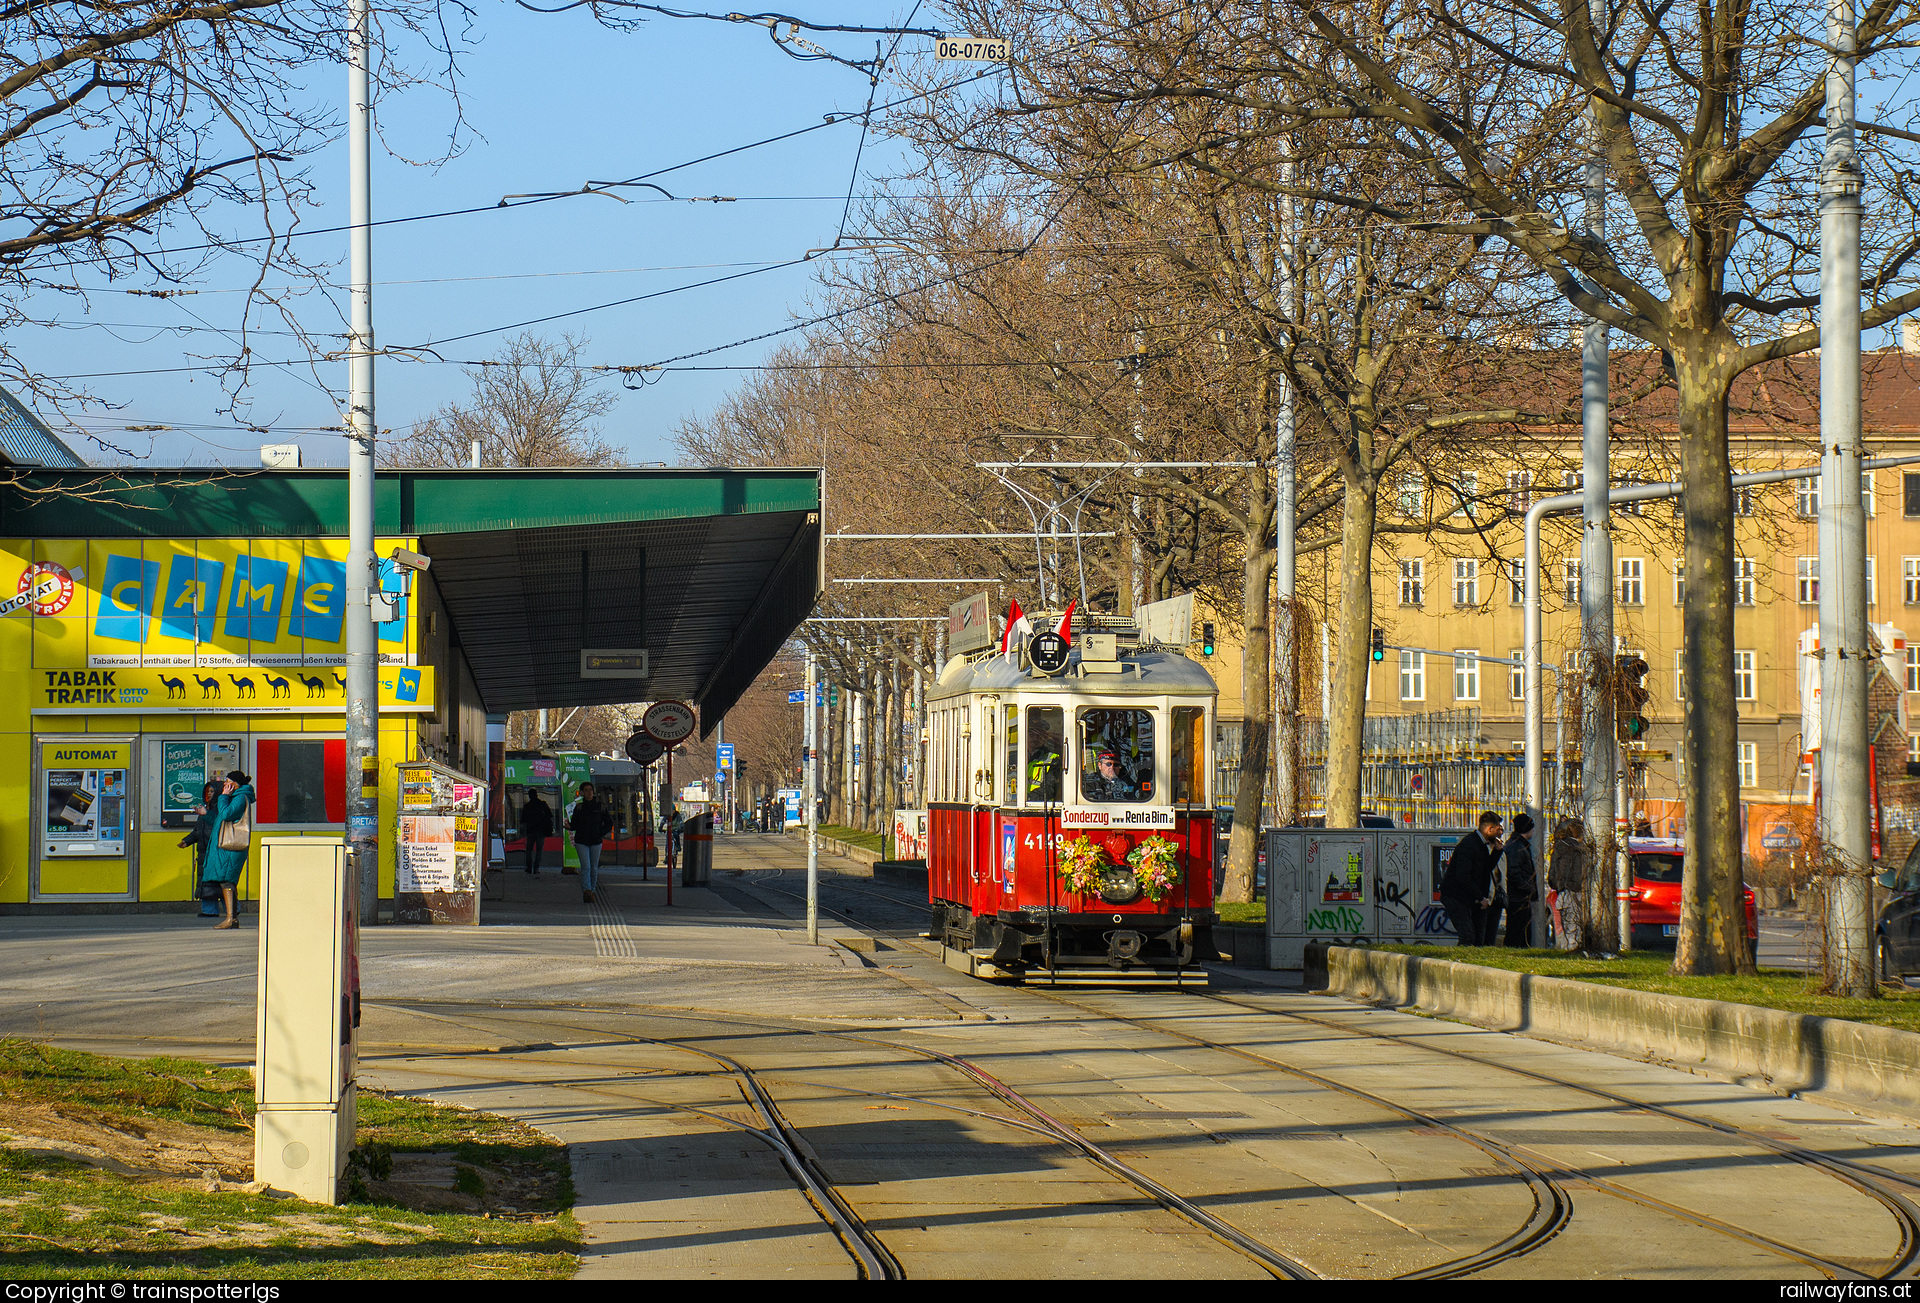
[627, 1031]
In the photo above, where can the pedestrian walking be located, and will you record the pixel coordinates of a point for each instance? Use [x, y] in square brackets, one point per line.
[1567, 877]
[1466, 888]
[200, 839]
[1523, 886]
[232, 840]
[536, 825]
[589, 824]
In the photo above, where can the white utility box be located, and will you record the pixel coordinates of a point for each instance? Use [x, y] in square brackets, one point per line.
[1354, 885]
[307, 1004]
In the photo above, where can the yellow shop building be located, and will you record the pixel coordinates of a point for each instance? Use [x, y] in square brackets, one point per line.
[160, 627]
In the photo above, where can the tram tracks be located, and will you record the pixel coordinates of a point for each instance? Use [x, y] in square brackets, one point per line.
[1548, 1180]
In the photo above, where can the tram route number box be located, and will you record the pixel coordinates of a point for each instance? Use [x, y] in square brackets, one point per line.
[1355, 885]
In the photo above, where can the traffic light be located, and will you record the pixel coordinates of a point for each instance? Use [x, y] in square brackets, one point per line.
[1206, 638]
[1630, 698]
[1379, 645]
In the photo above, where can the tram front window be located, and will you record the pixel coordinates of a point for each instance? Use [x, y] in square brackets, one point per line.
[1116, 754]
[1046, 744]
[1189, 743]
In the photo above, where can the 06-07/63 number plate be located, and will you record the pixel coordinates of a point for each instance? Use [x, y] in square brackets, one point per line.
[971, 49]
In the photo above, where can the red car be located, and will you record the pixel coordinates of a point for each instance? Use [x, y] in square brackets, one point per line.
[1655, 894]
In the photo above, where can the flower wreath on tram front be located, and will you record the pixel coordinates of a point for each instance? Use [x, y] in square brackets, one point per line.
[1081, 863]
[1156, 866]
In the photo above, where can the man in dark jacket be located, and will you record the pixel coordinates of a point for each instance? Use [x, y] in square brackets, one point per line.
[536, 825]
[590, 825]
[1523, 883]
[1466, 888]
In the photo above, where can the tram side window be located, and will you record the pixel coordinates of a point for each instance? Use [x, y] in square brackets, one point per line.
[1012, 770]
[936, 775]
[1189, 744]
[1046, 734]
[1116, 754]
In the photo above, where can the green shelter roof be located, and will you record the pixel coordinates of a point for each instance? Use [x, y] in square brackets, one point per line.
[711, 570]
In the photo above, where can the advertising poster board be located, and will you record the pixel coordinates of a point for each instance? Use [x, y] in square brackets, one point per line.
[437, 845]
[186, 766]
[83, 798]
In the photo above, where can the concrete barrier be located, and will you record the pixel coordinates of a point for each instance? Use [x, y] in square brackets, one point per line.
[1787, 1052]
[912, 873]
[846, 850]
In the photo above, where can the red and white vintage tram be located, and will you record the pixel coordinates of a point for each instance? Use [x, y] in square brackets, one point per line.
[1069, 824]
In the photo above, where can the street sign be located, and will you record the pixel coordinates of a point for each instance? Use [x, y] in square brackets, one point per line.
[969, 625]
[971, 49]
[607, 663]
[723, 755]
[668, 721]
[644, 750]
[797, 697]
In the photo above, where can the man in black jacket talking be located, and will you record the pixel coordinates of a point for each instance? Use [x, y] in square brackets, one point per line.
[1466, 888]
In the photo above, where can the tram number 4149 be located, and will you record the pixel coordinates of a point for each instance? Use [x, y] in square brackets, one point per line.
[1037, 841]
[971, 49]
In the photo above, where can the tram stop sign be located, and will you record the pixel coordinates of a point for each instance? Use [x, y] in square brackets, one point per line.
[1047, 652]
[644, 750]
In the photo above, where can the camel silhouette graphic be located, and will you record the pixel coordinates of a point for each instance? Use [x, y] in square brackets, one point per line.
[316, 687]
[175, 688]
[245, 686]
[208, 687]
[281, 688]
[337, 679]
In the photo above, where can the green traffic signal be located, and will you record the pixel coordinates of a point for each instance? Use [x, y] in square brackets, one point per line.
[1379, 645]
[1206, 639]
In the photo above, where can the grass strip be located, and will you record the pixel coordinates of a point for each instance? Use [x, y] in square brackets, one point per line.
[1652, 970]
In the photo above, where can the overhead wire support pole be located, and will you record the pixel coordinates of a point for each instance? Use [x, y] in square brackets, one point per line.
[363, 571]
[1845, 646]
[812, 811]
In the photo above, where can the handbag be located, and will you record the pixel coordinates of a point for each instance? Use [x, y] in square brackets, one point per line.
[237, 834]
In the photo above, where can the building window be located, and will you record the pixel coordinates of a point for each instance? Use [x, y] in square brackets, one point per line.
[1743, 676]
[1808, 584]
[1570, 581]
[1630, 508]
[1680, 676]
[1466, 582]
[1742, 501]
[1569, 481]
[1519, 491]
[1466, 488]
[1870, 582]
[1410, 496]
[1517, 675]
[1466, 674]
[1679, 582]
[1413, 676]
[1913, 748]
[1742, 581]
[300, 782]
[1413, 582]
[1806, 497]
[1631, 590]
[1516, 581]
[1749, 764]
[1910, 494]
[1910, 580]
[1866, 493]
[1911, 654]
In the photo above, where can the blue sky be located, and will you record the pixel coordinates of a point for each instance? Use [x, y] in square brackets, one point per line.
[556, 101]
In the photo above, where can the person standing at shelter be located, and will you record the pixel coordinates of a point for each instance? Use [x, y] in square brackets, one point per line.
[1523, 885]
[201, 840]
[536, 825]
[590, 824]
[1466, 888]
[232, 840]
[1567, 876]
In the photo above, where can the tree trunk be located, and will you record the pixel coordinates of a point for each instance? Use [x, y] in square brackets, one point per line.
[1256, 574]
[1352, 656]
[1713, 927]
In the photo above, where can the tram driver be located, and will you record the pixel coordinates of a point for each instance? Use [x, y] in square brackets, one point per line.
[1106, 782]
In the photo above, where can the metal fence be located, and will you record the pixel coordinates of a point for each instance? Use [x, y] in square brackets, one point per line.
[1433, 732]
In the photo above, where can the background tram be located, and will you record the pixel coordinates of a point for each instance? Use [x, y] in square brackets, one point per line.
[1069, 822]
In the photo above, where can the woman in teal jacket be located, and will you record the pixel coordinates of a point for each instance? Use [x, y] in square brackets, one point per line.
[223, 866]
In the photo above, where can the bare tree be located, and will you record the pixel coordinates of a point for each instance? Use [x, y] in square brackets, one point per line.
[534, 405]
[133, 136]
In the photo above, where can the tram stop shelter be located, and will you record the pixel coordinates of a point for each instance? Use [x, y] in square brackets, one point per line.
[158, 627]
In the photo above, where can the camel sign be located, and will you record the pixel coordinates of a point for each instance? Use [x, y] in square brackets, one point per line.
[250, 689]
